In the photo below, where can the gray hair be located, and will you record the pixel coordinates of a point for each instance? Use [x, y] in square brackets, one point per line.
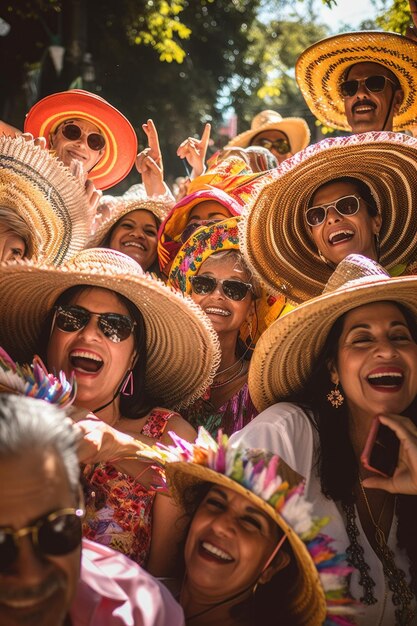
[27, 424]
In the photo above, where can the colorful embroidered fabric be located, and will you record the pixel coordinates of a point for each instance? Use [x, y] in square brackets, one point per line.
[232, 416]
[118, 508]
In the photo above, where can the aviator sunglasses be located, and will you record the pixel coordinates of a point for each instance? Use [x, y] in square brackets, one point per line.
[95, 141]
[56, 534]
[282, 146]
[375, 84]
[233, 289]
[71, 318]
[348, 205]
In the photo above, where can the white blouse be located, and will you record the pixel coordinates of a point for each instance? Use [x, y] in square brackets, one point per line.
[285, 430]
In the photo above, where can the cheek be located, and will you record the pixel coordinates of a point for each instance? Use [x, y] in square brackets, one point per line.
[55, 349]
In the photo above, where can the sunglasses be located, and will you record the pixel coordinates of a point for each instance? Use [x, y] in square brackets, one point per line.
[348, 205]
[282, 146]
[116, 327]
[56, 534]
[95, 141]
[233, 289]
[374, 84]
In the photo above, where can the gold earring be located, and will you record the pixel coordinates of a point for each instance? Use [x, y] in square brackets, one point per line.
[335, 397]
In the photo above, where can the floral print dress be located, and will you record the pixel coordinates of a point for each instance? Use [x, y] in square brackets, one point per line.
[118, 508]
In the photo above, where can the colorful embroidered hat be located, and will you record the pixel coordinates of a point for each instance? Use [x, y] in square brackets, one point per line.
[180, 363]
[132, 200]
[35, 381]
[172, 228]
[206, 241]
[41, 191]
[259, 476]
[285, 355]
[277, 241]
[321, 68]
[121, 143]
[295, 128]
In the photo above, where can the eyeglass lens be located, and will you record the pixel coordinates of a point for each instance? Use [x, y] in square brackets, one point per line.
[232, 289]
[374, 84]
[95, 141]
[348, 205]
[114, 326]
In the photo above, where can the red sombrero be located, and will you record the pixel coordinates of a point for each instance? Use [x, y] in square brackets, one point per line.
[121, 142]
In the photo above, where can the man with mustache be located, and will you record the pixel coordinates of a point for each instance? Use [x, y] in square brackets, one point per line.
[48, 576]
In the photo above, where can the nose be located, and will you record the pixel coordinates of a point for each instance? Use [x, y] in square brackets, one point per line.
[362, 90]
[91, 330]
[332, 215]
[30, 568]
[223, 524]
[386, 349]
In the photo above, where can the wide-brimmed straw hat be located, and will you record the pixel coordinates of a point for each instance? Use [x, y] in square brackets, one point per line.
[131, 200]
[277, 241]
[321, 68]
[182, 347]
[269, 485]
[295, 128]
[285, 355]
[121, 142]
[47, 197]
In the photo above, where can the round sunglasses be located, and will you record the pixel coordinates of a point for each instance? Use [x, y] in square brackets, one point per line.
[233, 289]
[114, 326]
[375, 84]
[73, 132]
[56, 534]
[281, 146]
[348, 205]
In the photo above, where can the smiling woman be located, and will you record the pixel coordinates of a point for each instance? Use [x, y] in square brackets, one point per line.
[101, 318]
[332, 365]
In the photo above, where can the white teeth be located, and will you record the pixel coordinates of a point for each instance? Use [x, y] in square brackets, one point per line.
[340, 232]
[363, 109]
[86, 355]
[216, 551]
[134, 244]
[390, 374]
[216, 311]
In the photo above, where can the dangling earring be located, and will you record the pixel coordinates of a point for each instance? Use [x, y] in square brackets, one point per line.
[335, 398]
[323, 258]
[128, 381]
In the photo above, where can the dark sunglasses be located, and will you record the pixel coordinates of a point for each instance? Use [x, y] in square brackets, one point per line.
[374, 84]
[55, 534]
[282, 146]
[95, 141]
[232, 289]
[116, 327]
[348, 205]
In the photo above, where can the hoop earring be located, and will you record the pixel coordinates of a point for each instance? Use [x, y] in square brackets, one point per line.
[128, 381]
[335, 397]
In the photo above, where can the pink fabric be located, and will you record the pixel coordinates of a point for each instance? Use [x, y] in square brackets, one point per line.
[115, 591]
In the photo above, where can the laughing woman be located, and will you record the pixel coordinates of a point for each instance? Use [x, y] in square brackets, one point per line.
[121, 333]
[332, 365]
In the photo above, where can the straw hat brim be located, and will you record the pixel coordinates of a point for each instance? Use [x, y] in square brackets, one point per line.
[285, 354]
[121, 141]
[295, 128]
[47, 197]
[275, 238]
[182, 347]
[311, 601]
[320, 69]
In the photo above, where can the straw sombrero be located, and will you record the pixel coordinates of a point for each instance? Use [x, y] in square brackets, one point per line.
[122, 205]
[121, 142]
[182, 346]
[271, 486]
[45, 194]
[275, 237]
[285, 355]
[295, 128]
[320, 70]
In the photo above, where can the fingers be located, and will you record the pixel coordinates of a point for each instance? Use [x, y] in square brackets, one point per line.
[378, 482]
[93, 194]
[402, 426]
[205, 137]
[146, 164]
[153, 141]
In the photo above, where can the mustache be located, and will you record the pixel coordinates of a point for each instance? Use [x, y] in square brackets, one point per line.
[45, 589]
[362, 102]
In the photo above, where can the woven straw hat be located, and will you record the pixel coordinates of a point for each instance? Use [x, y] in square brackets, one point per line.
[132, 200]
[295, 128]
[121, 141]
[182, 347]
[320, 70]
[44, 193]
[277, 241]
[285, 355]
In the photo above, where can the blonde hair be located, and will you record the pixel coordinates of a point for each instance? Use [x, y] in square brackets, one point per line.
[17, 224]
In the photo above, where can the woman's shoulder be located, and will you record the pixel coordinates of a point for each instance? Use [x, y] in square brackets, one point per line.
[163, 420]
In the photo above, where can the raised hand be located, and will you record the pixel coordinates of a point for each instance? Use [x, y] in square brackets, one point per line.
[195, 150]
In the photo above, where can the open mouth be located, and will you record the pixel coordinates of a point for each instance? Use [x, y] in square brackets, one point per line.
[75, 155]
[215, 553]
[85, 362]
[134, 244]
[340, 236]
[388, 379]
[213, 310]
[363, 107]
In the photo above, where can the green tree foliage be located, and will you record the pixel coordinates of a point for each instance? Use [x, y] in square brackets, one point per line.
[395, 18]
